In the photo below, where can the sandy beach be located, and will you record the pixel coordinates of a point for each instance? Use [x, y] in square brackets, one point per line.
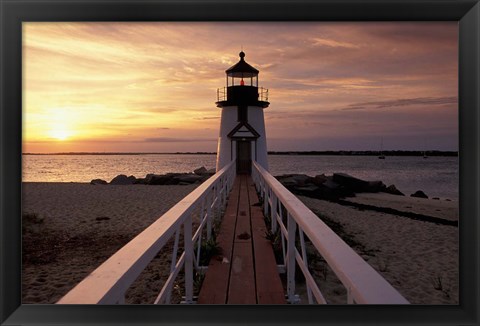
[77, 226]
[72, 228]
[419, 259]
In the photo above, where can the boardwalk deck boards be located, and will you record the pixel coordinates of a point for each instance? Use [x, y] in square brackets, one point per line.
[246, 272]
[216, 280]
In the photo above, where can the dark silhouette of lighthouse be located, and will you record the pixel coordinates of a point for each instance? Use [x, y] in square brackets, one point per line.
[242, 128]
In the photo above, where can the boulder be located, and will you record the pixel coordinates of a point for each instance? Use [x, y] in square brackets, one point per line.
[140, 181]
[188, 178]
[393, 191]
[307, 190]
[319, 179]
[350, 182]
[163, 179]
[419, 194]
[122, 179]
[299, 180]
[375, 186]
[200, 171]
[331, 190]
[98, 182]
[287, 181]
[212, 171]
[330, 184]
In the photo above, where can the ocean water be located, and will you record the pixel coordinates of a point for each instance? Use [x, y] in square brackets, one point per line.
[436, 176]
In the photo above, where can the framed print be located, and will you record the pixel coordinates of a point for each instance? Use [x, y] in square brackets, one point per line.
[239, 162]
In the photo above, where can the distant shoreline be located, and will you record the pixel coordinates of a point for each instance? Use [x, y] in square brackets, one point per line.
[318, 153]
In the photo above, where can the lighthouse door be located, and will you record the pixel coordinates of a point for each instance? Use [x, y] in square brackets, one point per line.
[244, 157]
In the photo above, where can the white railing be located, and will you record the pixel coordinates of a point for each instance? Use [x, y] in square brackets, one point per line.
[110, 281]
[364, 285]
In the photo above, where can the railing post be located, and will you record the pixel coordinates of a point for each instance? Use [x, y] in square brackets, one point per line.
[274, 213]
[265, 201]
[292, 229]
[224, 194]
[174, 261]
[305, 261]
[209, 200]
[218, 197]
[188, 260]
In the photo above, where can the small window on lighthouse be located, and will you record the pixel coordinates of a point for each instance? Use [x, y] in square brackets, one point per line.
[242, 83]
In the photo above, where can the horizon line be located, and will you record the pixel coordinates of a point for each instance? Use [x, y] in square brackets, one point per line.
[311, 152]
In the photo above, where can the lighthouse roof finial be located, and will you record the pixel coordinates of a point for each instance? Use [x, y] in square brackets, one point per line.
[242, 68]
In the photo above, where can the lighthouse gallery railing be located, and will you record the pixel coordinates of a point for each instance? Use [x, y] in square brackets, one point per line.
[110, 281]
[222, 94]
[363, 284]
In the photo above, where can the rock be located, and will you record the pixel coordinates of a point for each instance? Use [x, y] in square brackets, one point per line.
[299, 180]
[319, 179]
[436, 198]
[375, 186]
[200, 171]
[175, 179]
[163, 179]
[419, 194]
[212, 171]
[98, 182]
[148, 177]
[329, 184]
[391, 189]
[307, 190]
[140, 181]
[188, 178]
[350, 182]
[122, 179]
[287, 181]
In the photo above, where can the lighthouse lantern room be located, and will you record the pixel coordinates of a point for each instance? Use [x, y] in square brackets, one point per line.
[242, 127]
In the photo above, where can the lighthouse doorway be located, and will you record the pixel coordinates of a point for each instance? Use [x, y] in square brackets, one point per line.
[244, 157]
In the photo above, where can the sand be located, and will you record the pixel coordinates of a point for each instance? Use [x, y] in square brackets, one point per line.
[419, 259]
[441, 208]
[82, 225]
[75, 227]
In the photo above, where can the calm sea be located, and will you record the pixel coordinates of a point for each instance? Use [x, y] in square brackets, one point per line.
[436, 176]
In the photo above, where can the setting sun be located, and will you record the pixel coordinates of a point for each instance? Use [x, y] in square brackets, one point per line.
[59, 133]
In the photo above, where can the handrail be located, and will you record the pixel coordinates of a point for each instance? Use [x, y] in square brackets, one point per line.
[109, 282]
[364, 285]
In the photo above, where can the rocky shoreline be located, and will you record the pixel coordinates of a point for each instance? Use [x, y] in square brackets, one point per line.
[196, 177]
[337, 186]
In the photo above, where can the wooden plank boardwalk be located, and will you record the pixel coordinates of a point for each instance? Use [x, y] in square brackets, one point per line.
[245, 272]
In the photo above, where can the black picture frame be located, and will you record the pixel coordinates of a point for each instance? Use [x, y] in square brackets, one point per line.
[14, 12]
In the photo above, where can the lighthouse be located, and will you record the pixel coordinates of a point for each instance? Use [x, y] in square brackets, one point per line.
[242, 135]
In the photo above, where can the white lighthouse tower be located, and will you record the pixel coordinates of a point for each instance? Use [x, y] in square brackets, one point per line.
[242, 128]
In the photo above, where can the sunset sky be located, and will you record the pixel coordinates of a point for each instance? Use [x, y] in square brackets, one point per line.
[151, 87]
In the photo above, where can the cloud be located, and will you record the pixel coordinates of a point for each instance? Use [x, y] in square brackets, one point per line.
[402, 102]
[332, 43]
[325, 78]
[207, 118]
[178, 140]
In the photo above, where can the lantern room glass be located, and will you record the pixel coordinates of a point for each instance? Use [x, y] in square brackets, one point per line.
[237, 81]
